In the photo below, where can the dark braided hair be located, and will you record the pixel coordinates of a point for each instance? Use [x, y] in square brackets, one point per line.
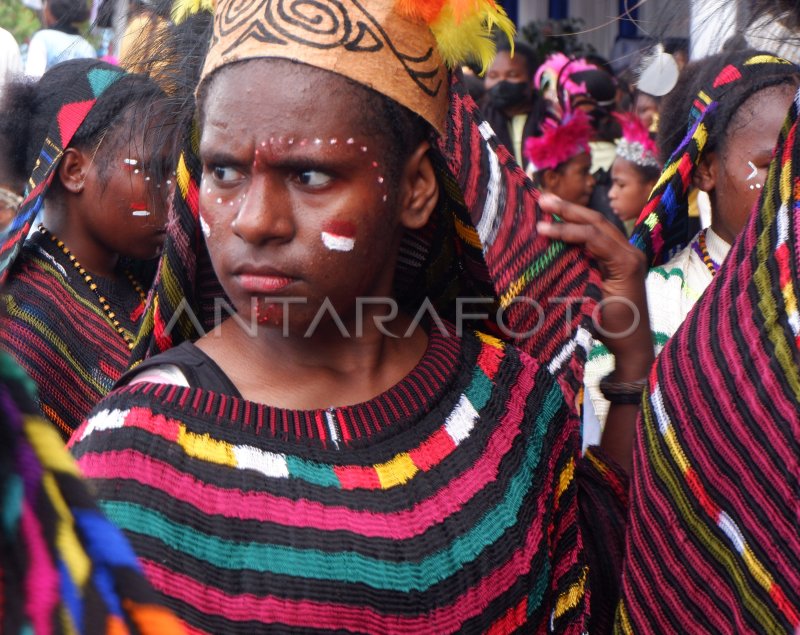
[676, 106]
[29, 108]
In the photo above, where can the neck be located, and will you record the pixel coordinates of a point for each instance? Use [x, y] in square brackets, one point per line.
[93, 256]
[323, 370]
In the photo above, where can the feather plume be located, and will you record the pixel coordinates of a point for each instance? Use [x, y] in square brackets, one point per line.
[182, 9]
[636, 144]
[559, 141]
[425, 10]
[463, 31]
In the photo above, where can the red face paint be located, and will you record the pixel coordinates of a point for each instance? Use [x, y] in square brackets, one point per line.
[342, 228]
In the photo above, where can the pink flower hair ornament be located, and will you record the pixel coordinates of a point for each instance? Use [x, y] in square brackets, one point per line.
[559, 142]
[636, 145]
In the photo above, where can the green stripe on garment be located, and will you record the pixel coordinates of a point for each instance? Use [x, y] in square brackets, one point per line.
[479, 390]
[348, 567]
[316, 473]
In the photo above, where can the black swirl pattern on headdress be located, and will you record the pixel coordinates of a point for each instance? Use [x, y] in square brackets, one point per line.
[320, 24]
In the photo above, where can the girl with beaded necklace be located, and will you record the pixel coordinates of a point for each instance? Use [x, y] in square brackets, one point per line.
[74, 293]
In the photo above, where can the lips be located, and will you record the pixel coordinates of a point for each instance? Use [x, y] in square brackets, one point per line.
[263, 283]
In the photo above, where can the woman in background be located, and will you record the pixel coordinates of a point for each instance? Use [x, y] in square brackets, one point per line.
[60, 39]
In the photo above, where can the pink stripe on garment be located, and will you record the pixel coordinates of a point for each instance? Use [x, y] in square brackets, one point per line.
[42, 580]
[321, 615]
[266, 507]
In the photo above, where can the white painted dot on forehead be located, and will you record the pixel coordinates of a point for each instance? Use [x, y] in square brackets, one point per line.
[380, 179]
[130, 161]
[317, 141]
[219, 200]
[351, 141]
[136, 171]
[385, 198]
[364, 148]
[334, 141]
[263, 144]
[147, 178]
[208, 190]
[291, 140]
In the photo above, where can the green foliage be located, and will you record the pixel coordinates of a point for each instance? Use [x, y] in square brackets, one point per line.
[21, 21]
[556, 36]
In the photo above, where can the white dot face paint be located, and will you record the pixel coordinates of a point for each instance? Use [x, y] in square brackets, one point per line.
[336, 242]
[204, 227]
[140, 212]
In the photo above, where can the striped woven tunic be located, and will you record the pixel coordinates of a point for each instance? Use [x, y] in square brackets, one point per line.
[448, 503]
[52, 324]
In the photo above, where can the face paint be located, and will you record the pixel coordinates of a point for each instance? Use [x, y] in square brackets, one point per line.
[204, 226]
[339, 236]
[754, 169]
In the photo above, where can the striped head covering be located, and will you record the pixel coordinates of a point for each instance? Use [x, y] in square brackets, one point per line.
[663, 226]
[77, 105]
[717, 458]
[64, 568]
[481, 242]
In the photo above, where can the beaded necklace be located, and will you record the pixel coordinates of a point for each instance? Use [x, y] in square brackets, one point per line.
[702, 250]
[112, 317]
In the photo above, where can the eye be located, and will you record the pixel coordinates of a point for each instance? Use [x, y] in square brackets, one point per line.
[313, 178]
[225, 174]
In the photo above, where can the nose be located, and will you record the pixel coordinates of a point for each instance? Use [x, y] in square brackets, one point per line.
[264, 213]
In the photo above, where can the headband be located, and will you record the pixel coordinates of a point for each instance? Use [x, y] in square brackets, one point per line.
[399, 48]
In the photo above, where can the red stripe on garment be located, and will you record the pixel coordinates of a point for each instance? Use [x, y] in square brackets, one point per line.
[265, 507]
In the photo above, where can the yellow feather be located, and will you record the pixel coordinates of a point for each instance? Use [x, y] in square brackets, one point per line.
[182, 9]
[467, 37]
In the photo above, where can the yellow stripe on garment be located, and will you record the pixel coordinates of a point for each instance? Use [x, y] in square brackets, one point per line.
[765, 59]
[467, 234]
[757, 569]
[49, 446]
[67, 543]
[571, 597]
[203, 447]
[676, 450]
[490, 340]
[565, 478]
[623, 623]
[396, 471]
[182, 176]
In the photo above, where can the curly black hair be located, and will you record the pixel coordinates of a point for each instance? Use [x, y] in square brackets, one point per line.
[677, 105]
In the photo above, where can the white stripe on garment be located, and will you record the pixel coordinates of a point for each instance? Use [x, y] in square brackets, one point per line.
[658, 407]
[783, 225]
[489, 224]
[333, 428]
[727, 525]
[268, 463]
[582, 338]
[105, 420]
[461, 421]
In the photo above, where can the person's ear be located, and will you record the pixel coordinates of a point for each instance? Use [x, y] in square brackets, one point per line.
[419, 189]
[705, 175]
[73, 169]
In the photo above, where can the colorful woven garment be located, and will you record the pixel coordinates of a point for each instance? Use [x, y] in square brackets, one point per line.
[663, 226]
[63, 567]
[54, 327]
[713, 542]
[448, 503]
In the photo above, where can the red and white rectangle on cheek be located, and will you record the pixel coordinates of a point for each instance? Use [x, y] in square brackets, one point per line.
[339, 236]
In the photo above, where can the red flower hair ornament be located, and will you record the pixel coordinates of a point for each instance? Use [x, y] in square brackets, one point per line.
[559, 142]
